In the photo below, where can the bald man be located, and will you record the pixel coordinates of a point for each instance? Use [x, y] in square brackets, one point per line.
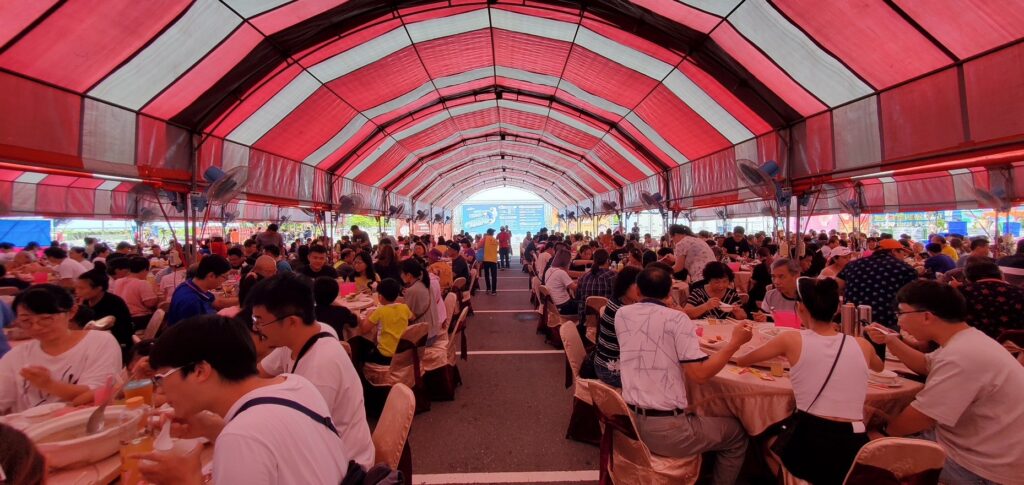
[265, 267]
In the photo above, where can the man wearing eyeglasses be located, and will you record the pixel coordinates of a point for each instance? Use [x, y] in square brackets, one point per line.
[971, 402]
[284, 316]
[274, 430]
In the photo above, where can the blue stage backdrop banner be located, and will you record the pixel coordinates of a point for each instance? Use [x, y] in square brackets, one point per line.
[520, 218]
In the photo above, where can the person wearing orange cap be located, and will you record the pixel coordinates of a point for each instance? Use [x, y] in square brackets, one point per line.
[874, 280]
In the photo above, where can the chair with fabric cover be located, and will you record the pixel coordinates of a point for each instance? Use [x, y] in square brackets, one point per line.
[593, 312]
[535, 294]
[583, 422]
[391, 436]
[467, 296]
[405, 365]
[440, 373]
[156, 322]
[550, 320]
[458, 287]
[897, 460]
[624, 457]
[451, 306]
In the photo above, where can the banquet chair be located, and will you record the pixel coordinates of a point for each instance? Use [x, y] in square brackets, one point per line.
[8, 290]
[550, 319]
[440, 373]
[391, 436]
[467, 296]
[459, 288]
[404, 367]
[903, 460]
[535, 293]
[451, 305]
[624, 457]
[156, 322]
[584, 425]
[593, 313]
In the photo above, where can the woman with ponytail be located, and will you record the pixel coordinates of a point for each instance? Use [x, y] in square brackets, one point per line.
[829, 372]
[418, 297]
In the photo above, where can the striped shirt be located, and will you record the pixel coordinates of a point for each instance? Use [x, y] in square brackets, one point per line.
[607, 353]
[699, 296]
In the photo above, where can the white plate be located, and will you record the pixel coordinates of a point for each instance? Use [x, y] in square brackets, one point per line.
[725, 308]
[713, 344]
[885, 375]
[43, 410]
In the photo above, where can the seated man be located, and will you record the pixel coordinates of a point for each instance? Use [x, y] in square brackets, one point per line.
[318, 266]
[993, 305]
[283, 311]
[138, 293]
[937, 263]
[658, 351]
[783, 296]
[193, 297]
[95, 301]
[208, 363]
[971, 401]
[67, 269]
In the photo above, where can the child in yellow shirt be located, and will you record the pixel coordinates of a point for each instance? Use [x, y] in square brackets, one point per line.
[391, 319]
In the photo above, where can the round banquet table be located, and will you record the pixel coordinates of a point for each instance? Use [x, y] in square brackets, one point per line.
[758, 403]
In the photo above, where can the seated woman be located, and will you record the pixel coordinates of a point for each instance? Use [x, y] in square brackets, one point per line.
[584, 258]
[635, 259]
[707, 297]
[363, 274]
[341, 319]
[830, 429]
[561, 285]
[60, 364]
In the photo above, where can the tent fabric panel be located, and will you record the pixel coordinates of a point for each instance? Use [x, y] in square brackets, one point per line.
[17, 15]
[723, 96]
[995, 94]
[275, 109]
[273, 175]
[108, 134]
[682, 14]
[162, 150]
[40, 124]
[968, 27]
[932, 193]
[628, 40]
[631, 194]
[204, 74]
[308, 127]
[812, 147]
[474, 53]
[922, 116]
[169, 55]
[530, 53]
[683, 128]
[762, 68]
[364, 90]
[886, 51]
[604, 78]
[857, 140]
[251, 102]
[95, 38]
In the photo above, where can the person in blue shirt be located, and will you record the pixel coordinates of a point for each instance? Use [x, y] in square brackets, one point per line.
[937, 262]
[193, 297]
[6, 320]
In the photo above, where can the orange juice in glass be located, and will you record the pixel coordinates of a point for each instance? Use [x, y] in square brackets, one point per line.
[129, 465]
[142, 388]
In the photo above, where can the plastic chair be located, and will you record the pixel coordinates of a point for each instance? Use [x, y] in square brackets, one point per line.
[391, 437]
[583, 422]
[153, 327]
[441, 374]
[905, 459]
[624, 457]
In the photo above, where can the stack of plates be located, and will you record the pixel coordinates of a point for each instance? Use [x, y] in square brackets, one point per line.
[885, 378]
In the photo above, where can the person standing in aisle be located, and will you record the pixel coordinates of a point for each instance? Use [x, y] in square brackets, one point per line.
[490, 261]
[505, 247]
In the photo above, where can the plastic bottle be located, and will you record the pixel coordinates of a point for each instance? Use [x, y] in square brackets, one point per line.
[134, 439]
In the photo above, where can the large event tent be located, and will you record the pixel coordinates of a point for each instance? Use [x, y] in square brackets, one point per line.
[910, 105]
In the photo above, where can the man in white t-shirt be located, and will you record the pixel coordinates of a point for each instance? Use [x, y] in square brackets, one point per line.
[972, 399]
[284, 314]
[543, 257]
[267, 431]
[691, 253]
[67, 270]
[658, 352]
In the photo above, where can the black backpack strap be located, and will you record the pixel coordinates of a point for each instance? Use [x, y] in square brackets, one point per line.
[324, 420]
[306, 346]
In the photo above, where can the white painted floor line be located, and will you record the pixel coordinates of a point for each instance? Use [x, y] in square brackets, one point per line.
[514, 352]
[507, 477]
[526, 310]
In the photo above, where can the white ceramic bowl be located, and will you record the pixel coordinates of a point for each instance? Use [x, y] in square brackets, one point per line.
[84, 449]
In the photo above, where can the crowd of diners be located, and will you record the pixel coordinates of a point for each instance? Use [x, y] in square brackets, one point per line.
[943, 307]
[939, 306]
[281, 340]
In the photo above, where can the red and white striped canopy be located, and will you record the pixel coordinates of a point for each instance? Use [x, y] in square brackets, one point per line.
[428, 101]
